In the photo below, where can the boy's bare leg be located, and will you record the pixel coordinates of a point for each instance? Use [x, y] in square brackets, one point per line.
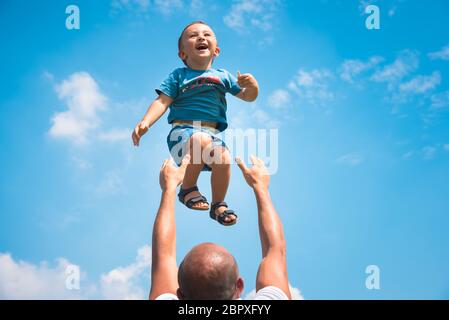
[197, 142]
[221, 175]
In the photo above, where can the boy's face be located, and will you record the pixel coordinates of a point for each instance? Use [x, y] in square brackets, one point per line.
[198, 45]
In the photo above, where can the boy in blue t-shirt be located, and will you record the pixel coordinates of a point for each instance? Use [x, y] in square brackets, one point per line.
[195, 95]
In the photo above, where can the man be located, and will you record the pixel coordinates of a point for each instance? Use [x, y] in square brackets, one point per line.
[209, 271]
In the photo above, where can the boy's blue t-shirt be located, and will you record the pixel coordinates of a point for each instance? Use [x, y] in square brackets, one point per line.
[199, 94]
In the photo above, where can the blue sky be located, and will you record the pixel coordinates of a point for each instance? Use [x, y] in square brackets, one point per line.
[363, 151]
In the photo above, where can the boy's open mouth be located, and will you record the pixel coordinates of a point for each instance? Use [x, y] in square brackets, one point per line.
[202, 46]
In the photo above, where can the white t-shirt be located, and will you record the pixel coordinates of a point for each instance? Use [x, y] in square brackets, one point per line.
[267, 293]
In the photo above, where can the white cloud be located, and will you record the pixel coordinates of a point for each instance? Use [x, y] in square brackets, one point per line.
[446, 147]
[111, 184]
[251, 116]
[443, 54]
[406, 62]
[440, 100]
[84, 100]
[408, 155]
[312, 86]
[352, 68]
[124, 282]
[23, 280]
[141, 7]
[167, 6]
[428, 152]
[279, 99]
[82, 164]
[351, 159]
[247, 14]
[115, 135]
[421, 84]
[295, 292]
[132, 5]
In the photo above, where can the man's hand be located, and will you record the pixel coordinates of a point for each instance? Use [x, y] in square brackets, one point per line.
[170, 176]
[139, 131]
[257, 176]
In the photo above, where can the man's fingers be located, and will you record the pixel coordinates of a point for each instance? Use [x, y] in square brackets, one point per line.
[165, 163]
[241, 164]
[185, 162]
[253, 159]
[238, 74]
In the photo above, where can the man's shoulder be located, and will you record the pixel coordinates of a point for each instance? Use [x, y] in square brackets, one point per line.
[270, 293]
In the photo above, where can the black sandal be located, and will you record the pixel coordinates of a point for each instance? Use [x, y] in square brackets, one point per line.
[222, 216]
[191, 202]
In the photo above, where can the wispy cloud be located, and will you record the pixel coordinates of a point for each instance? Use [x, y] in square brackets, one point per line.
[295, 292]
[421, 84]
[136, 6]
[83, 101]
[246, 15]
[111, 184]
[313, 86]
[115, 135]
[440, 100]
[418, 85]
[167, 7]
[442, 54]
[279, 99]
[350, 69]
[406, 63]
[351, 159]
[428, 152]
[446, 147]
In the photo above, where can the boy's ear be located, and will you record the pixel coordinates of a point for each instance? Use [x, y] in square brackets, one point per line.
[182, 55]
[217, 52]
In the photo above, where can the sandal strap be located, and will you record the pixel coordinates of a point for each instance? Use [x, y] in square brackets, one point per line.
[215, 205]
[225, 214]
[184, 192]
[195, 200]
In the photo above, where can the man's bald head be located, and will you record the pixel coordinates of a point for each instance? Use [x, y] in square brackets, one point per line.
[209, 272]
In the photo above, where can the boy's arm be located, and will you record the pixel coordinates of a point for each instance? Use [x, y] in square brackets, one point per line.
[249, 85]
[273, 268]
[154, 112]
[164, 272]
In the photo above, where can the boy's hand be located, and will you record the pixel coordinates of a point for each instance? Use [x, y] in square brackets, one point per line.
[257, 176]
[138, 132]
[246, 80]
[170, 176]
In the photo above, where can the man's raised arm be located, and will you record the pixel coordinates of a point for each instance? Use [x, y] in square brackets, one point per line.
[164, 272]
[273, 268]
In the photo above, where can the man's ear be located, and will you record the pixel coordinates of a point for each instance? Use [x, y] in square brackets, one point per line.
[179, 294]
[239, 286]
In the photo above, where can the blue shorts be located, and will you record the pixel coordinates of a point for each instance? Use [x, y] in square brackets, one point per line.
[179, 136]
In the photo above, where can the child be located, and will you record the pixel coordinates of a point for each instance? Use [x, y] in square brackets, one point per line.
[196, 97]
